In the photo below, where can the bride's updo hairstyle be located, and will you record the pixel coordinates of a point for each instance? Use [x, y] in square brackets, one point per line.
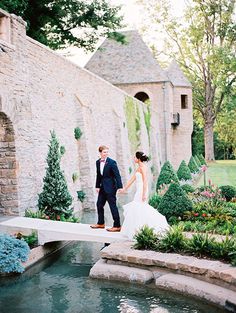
[141, 156]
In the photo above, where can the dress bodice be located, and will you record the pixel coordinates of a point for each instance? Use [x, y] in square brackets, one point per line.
[139, 187]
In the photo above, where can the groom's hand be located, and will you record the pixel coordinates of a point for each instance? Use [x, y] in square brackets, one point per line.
[120, 190]
[97, 189]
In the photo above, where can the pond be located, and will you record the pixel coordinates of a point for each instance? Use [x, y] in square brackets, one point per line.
[60, 284]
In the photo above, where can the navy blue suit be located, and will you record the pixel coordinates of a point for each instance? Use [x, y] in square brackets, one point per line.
[108, 182]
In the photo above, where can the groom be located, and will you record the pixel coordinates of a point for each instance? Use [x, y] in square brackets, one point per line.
[108, 181]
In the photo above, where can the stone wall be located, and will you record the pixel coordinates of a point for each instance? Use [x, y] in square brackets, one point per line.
[41, 91]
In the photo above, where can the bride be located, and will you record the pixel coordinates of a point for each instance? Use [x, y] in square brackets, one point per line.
[138, 212]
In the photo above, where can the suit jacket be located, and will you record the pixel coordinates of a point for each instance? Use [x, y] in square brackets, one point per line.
[110, 180]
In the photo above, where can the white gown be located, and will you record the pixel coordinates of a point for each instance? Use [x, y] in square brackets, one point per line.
[138, 213]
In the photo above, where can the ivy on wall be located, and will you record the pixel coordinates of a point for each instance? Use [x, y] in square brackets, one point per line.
[133, 122]
[147, 118]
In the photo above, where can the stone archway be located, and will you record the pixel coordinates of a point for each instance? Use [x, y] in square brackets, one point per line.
[8, 180]
[142, 96]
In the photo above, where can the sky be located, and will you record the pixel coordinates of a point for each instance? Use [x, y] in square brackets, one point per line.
[133, 17]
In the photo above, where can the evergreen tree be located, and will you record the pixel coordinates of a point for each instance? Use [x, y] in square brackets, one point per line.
[202, 160]
[55, 199]
[192, 165]
[197, 161]
[167, 175]
[183, 172]
[175, 202]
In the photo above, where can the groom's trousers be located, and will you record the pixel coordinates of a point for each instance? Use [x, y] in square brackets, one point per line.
[104, 197]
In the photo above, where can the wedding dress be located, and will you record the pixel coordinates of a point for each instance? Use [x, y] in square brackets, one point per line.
[138, 213]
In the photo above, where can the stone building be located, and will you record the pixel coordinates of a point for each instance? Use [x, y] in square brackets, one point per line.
[132, 68]
[41, 91]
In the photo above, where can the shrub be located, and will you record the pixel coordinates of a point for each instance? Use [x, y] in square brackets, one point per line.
[55, 199]
[155, 200]
[145, 239]
[228, 192]
[175, 202]
[202, 160]
[197, 161]
[78, 133]
[81, 195]
[12, 253]
[31, 240]
[192, 165]
[167, 175]
[184, 171]
[62, 150]
[172, 241]
[188, 188]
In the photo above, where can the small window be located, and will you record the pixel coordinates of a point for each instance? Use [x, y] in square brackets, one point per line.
[184, 101]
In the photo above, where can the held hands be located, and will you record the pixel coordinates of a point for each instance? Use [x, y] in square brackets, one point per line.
[121, 190]
[97, 189]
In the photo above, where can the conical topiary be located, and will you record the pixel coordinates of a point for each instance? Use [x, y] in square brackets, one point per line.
[192, 165]
[183, 172]
[167, 175]
[197, 161]
[202, 160]
[175, 202]
[55, 199]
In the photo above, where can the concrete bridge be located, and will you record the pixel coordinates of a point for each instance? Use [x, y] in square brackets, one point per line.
[49, 231]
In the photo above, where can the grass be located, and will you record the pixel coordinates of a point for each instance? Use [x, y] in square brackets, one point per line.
[221, 172]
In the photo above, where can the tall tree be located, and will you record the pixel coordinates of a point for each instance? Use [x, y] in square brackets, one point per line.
[62, 23]
[204, 44]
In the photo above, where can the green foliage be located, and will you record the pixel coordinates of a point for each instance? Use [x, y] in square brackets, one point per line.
[61, 217]
[81, 195]
[145, 239]
[193, 166]
[147, 119]
[228, 192]
[62, 150]
[55, 199]
[155, 200]
[133, 122]
[167, 175]
[197, 161]
[175, 202]
[75, 176]
[197, 138]
[130, 170]
[200, 245]
[172, 241]
[31, 240]
[202, 160]
[12, 253]
[77, 133]
[183, 172]
[188, 188]
[62, 23]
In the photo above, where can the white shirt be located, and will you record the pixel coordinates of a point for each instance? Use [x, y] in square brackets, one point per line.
[102, 164]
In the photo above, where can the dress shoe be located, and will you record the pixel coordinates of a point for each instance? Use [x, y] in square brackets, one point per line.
[114, 229]
[96, 226]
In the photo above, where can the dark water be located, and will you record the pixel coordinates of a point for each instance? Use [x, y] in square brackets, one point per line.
[61, 284]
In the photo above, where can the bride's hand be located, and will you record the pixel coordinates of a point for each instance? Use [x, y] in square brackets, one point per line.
[121, 190]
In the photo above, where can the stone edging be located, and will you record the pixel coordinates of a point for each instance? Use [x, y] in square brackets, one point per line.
[208, 280]
[40, 252]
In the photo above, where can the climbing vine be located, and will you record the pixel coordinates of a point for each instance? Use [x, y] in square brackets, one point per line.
[133, 122]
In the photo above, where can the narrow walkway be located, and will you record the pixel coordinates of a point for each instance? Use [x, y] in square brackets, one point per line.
[49, 231]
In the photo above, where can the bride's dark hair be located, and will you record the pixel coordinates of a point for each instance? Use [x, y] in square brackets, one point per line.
[141, 156]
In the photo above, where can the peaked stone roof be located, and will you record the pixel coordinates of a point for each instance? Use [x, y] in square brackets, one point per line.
[176, 76]
[126, 63]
